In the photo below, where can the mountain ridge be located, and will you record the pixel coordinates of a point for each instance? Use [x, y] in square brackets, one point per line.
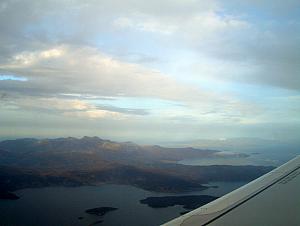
[30, 162]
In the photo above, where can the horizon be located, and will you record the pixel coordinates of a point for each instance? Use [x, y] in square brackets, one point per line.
[150, 72]
[194, 143]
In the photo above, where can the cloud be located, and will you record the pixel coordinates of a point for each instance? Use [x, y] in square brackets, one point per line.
[67, 107]
[144, 23]
[85, 70]
[267, 43]
[195, 25]
[94, 114]
[268, 7]
[264, 52]
[63, 79]
[81, 60]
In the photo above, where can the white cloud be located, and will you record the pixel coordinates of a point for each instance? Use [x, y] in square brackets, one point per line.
[66, 107]
[95, 114]
[30, 58]
[84, 70]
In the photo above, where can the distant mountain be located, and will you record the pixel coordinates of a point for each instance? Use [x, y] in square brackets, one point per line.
[87, 152]
[70, 161]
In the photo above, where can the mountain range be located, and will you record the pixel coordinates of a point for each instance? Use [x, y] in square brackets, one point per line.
[27, 163]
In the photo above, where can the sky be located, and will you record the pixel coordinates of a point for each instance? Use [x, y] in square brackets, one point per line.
[150, 71]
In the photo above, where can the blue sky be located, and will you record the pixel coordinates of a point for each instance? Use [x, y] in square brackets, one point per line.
[150, 72]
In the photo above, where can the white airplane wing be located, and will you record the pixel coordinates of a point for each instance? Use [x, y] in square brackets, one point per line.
[270, 200]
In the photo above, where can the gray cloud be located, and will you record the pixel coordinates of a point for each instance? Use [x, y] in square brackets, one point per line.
[268, 47]
[269, 57]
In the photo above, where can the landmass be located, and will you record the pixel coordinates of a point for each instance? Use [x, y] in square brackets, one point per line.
[188, 202]
[100, 211]
[33, 163]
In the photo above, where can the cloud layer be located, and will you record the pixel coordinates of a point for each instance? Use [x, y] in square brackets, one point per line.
[172, 64]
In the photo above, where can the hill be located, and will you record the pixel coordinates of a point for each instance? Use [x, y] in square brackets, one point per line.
[26, 163]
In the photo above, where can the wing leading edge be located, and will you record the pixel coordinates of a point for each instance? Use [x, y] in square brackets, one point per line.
[273, 199]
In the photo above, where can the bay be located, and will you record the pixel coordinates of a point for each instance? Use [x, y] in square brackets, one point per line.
[52, 206]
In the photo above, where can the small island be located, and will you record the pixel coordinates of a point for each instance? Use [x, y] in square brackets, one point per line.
[100, 211]
[189, 202]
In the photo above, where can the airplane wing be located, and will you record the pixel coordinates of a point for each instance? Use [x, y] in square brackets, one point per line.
[270, 200]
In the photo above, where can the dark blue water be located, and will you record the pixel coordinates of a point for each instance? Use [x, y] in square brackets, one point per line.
[61, 206]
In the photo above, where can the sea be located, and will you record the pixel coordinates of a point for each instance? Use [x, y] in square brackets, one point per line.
[65, 206]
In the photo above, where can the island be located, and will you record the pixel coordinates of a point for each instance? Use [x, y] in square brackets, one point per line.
[188, 202]
[100, 211]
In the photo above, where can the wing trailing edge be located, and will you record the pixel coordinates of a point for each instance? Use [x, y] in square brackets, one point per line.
[272, 199]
